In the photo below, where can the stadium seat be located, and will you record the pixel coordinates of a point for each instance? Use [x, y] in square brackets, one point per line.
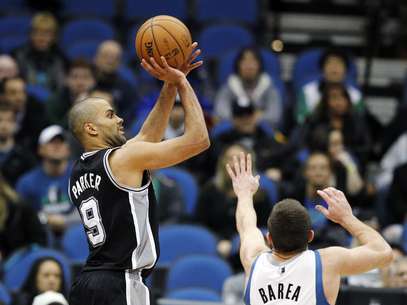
[226, 10]
[85, 30]
[17, 272]
[127, 74]
[40, 93]
[194, 294]
[84, 49]
[94, 8]
[12, 6]
[75, 244]
[4, 295]
[140, 10]
[217, 40]
[198, 271]
[306, 68]
[14, 32]
[187, 184]
[180, 240]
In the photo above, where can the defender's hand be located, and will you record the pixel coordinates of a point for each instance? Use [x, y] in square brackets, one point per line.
[244, 183]
[165, 72]
[339, 208]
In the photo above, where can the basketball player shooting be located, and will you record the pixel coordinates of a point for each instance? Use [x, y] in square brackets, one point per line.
[111, 187]
[290, 273]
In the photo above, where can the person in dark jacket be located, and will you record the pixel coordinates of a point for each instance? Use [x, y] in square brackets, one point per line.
[30, 114]
[397, 197]
[41, 61]
[15, 159]
[19, 224]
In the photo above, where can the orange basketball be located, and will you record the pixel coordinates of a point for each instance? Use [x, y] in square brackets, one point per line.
[164, 36]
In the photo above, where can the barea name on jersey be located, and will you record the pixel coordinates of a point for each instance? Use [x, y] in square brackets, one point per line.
[281, 292]
[89, 180]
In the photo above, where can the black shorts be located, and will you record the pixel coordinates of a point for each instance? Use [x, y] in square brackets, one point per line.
[105, 287]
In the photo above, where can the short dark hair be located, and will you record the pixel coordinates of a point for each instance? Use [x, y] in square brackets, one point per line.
[334, 52]
[288, 225]
[257, 54]
[81, 64]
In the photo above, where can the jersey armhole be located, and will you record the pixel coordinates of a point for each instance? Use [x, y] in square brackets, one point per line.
[319, 285]
[116, 183]
[246, 297]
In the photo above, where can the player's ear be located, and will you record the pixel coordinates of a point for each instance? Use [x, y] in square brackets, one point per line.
[310, 235]
[90, 129]
[269, 240]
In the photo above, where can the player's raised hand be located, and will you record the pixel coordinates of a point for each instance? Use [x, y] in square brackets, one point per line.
[165, 72]
[339, 208]
[244, 183]
[189, 64]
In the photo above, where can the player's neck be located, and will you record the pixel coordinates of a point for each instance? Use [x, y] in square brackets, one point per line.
[283, 256]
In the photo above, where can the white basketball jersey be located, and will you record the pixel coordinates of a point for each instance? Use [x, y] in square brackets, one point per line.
[295, 281]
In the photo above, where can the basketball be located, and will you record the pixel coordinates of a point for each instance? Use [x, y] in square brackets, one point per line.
[164, 36]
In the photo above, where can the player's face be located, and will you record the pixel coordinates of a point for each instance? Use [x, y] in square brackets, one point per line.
[249, 66]
[80, 80]
[334, 69]
[7, 124]
[110, 126]
[49, 277]
[318, 172]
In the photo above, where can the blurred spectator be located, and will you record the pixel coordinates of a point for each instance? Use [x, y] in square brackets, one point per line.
[50, 298]
[335, 112]
[46, 274]
[394, 157]
[8, 67]
[217, 202]
[19, 224]
[318, 175]
[14, 158]
[233, 289]
[396, 275]
[334, 65]
[172, 209]
[46, 186]
[175, 126]
[107, 62]
[345, 168]
[397, 195]
[79, 81]
[267, 143]
[31, 118]
[41, 61]
[250, 83]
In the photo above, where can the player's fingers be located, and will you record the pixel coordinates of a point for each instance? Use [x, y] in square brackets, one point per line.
[249, 164]
[242, 162]
[149, 68]
[331, 193]
[156, 66]
[164, 61]
[236, 165]
[322, 210]
[230, 171]
[194, 55]
[195, 65]
[324, 196]
[193, 46]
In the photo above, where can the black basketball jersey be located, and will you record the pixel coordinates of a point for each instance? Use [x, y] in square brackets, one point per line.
[120, 222]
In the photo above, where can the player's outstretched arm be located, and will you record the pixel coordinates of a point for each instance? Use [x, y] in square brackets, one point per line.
[139, 155]
[245, 186]
[154, 126]
[374, 251]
